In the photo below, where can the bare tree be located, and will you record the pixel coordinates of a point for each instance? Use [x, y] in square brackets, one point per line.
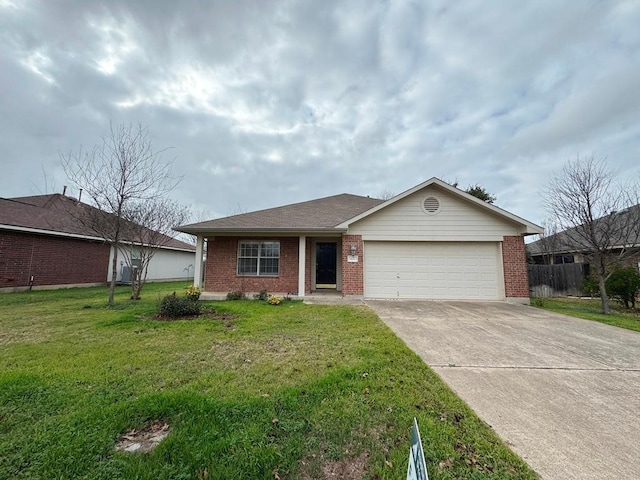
[549, 240]
[385, 194]
[596, 214]
[124, 168]
[149, 227]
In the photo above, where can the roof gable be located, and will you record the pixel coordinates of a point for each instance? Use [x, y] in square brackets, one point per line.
[526, 227]
[434, 214]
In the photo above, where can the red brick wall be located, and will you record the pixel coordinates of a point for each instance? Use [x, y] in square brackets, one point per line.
[51, 260]
[307, 266]
[222, 267]
[352, 273]
[514, 260]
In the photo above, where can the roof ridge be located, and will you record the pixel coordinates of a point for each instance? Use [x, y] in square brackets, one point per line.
[290, 205]
[318, 213]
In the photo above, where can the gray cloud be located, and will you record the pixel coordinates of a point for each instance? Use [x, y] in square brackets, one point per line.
[267, 103]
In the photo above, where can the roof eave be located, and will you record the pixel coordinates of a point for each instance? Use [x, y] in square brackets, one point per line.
[54, 233]
[244, 231]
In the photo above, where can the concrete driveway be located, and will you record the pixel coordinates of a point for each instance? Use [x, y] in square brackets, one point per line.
[564, 393]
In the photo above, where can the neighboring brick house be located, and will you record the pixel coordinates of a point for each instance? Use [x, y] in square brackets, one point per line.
[44, 245]
[432, 241]
[620, 230]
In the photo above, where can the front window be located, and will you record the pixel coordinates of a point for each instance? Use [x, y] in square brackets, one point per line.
[259, 258]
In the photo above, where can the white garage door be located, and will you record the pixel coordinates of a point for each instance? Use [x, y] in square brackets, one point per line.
[433, 270]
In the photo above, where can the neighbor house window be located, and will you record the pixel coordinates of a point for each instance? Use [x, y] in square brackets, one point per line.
[259, 258]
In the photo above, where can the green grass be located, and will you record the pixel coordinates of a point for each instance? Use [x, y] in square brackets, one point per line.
[75, 375]
[590, 309]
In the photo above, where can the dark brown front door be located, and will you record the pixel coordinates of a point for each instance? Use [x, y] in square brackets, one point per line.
[326, 262]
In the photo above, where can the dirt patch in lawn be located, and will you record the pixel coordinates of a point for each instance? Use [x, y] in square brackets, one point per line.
[348, 469]
[143, 440]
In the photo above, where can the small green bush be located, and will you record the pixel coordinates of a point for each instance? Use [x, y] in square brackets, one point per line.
[172, 306]
[623, 285]
[237, 295]
[263, 295]
[590, 288]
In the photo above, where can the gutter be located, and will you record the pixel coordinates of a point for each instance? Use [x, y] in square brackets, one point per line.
[262, 231]
[53, 233]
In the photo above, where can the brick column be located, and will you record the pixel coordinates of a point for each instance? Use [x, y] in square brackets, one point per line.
[514, 261]
[352, 272]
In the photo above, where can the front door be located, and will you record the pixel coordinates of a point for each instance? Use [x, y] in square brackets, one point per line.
[326, 262]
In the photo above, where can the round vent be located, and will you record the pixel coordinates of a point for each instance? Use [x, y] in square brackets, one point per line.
[431, 205]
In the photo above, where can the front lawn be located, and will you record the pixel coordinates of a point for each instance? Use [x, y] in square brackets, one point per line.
[590, 309]
[277, 392]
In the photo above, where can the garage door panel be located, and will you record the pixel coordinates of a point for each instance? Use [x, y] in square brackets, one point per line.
[433, 270]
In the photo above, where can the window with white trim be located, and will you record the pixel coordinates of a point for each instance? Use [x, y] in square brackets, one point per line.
[261, 259]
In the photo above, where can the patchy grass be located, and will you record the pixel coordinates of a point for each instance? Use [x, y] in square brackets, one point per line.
[291, 391]
[590, 309]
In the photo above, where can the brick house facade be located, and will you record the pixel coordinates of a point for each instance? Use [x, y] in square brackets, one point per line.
[46, 242]
[514, 261]
[433, 241]
[50, 260]
[353, 274]
[222, 267]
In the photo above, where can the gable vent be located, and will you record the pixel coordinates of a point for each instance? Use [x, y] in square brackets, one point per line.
[431, 205]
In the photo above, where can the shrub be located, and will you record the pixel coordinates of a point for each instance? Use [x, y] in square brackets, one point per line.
[172, 306]
[263, 295]
[192, 293]
[623, 285]
[590, 288]
[274, 300]
[237, 295]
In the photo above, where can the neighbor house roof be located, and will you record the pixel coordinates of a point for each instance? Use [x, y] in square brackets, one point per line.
[314, 215]
[58, 215]
[334, 214]
[622, 229]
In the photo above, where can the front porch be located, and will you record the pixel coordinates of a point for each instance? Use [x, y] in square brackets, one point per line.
[307, 265]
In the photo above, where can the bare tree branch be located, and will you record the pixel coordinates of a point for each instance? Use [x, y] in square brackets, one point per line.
[385, 194]
[124, 168]
[595, 214]
[149, 227]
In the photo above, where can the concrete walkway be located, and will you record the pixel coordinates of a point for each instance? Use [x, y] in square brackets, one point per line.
[564, 393]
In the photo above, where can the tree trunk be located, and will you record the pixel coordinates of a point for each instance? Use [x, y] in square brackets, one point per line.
[604, 298]
[138, 283]
[114, 275]
[135, 286]
[141, 276]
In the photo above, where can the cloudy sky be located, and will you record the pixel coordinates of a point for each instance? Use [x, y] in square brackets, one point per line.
[273, 102]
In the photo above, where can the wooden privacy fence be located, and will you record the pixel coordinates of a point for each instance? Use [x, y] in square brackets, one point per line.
[556, 280]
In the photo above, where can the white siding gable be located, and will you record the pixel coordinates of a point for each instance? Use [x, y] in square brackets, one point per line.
[456, 220]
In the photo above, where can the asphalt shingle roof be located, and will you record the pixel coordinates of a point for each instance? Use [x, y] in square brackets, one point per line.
[623, 233]
[55, 213]
[323, 213]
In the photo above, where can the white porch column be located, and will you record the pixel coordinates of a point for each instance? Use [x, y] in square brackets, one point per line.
[197, 267]
[302, 259]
